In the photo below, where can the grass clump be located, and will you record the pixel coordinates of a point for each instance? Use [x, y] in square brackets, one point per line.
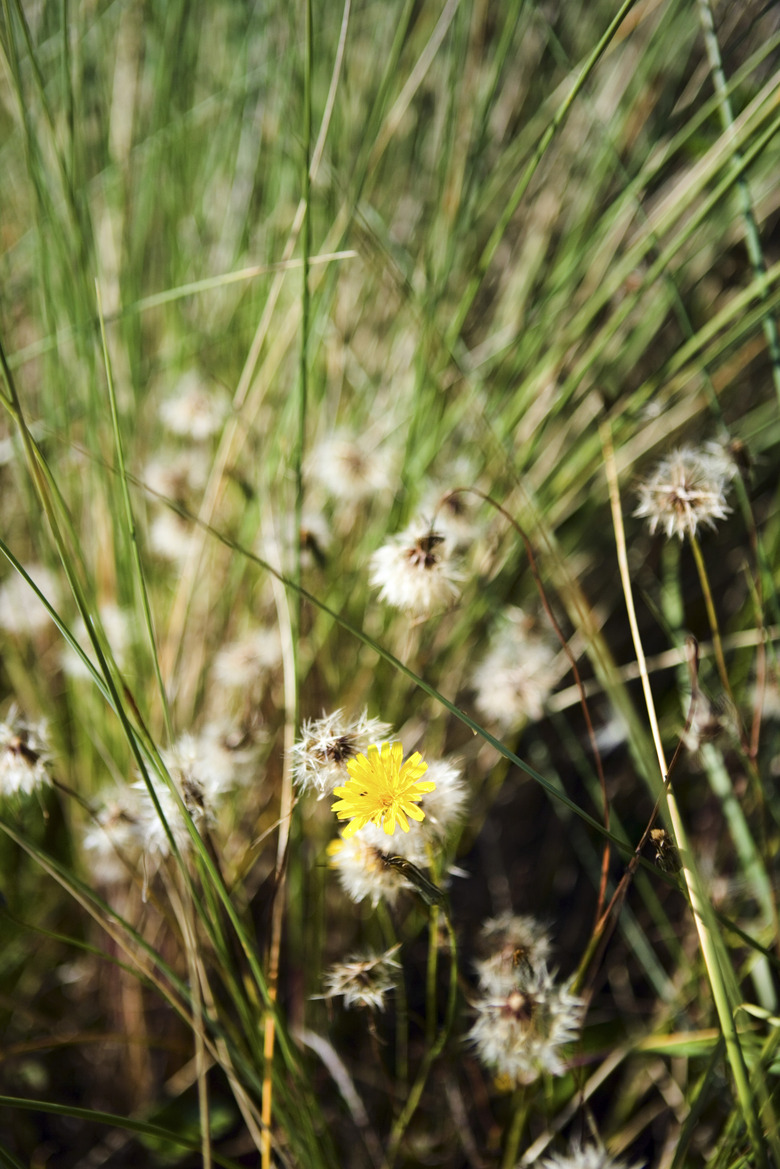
[388, 699]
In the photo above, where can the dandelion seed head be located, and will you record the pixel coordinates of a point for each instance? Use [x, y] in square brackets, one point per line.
[415, 571]
[515, 945]
[156, 843]
[21, 612]
[515, 678]
[382, 789]
[320, 756]
[193, 411]
[363, 980]
[348, 470]
[114, 843]
[584, 1157]
[363, 872]
[203, 771]
[445, 804]
[24, 756]
[520, 1034]
[244, 663]
[687, 489]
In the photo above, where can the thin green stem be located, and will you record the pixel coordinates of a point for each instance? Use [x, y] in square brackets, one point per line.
[154, 1131]
[712, 617]
[520, 1108]
[184, 912]
[402, 1003]
[292, 678]
[303, 372]
[132, 533]
[430, 982]
[714, 955]
[431, 1055]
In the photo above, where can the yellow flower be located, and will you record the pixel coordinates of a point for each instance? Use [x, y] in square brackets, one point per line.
[382, 789]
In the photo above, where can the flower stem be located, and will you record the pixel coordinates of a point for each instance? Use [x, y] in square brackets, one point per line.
[519, 1114]
[402, 1004]
[291, 703]
[430, 984]
[712, 616]
[433, 1052]
[715, 957]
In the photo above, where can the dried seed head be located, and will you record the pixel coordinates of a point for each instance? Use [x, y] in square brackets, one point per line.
[415, 571]
[520, 1034]
[203, 770]
[584, 1157]
[193, 411]
[348, 470]
[514, 679]
[687, 489]
[363, 872]
[326, 745]
[117, 626]
[516, 946]
[24, 756]
[364, 980]
[246, 663]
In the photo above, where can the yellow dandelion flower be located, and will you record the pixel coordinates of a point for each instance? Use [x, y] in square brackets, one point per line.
[382, 789]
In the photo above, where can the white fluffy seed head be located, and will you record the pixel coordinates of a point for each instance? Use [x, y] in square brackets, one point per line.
[24, 756]
[245, 663]
[521, 1034]
[171, 536]
[687, 489]
[515, 678]
[117, 625]
[446, 804]
[585, 1157]
[203, 771]
[319, 758]
[363, 871]
[178, 474]
[513, 946]
[193, 411]
[349, 471]
[364, 980]
[113, 844]
[415, 571]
